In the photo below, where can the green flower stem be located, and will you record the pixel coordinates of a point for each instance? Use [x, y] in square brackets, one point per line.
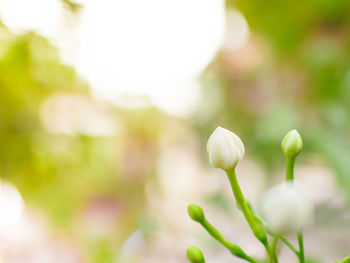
[233, 248]
[284, 240]
[345, 260]
[290, 246]
[301, 248]
[261, 222]
[290, 178]
[256, 228]
[274, 246]
[290, 169]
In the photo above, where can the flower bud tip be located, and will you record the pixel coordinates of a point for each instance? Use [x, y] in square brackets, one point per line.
[225, 149]
[195, 212]
[195, 255]
[292, 144]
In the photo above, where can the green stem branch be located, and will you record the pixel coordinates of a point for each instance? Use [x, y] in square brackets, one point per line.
[295, 251]
[290, 178]
[345, 260]
[301, 248]
[256, 228]
[274, 246]
[233, 248]
[290, 169]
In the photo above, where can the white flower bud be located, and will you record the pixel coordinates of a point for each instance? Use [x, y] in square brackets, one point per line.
[292, 144]
[285, 209]
[225, 149]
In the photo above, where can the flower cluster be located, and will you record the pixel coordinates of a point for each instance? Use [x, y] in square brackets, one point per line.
[283, 209]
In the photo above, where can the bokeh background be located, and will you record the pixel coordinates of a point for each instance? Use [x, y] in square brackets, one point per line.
[106, 107]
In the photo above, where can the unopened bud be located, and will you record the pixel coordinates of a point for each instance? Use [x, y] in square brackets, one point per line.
[292, 144]
[195, 212]
[195, 255]
[225, 149]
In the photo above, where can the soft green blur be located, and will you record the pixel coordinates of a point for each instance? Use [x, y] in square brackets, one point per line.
[96, 189]
[301, 80]
[67, 177]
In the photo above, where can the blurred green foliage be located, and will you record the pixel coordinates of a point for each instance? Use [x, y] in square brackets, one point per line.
[67, 175]
[302, 82]
[30, 70]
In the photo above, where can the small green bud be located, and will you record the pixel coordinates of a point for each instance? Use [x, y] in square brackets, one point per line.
[195, 255]
[195, 212]
[292, 144]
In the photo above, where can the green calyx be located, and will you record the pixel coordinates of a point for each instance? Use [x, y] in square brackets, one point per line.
[195, 255]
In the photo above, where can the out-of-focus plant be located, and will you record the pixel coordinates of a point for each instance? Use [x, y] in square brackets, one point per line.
[299, 78]
[282, 210]
[72, 179]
